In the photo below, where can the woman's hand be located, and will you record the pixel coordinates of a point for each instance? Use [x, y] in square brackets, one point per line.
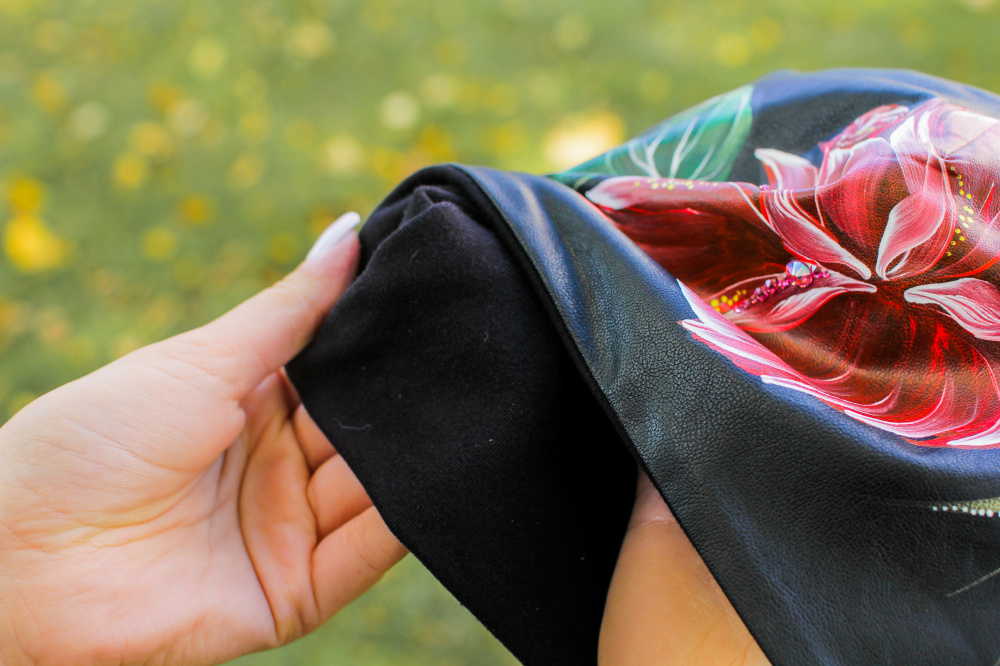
[664, 606]
[179, 505]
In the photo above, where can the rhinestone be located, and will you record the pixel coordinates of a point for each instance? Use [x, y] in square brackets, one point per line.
[800, 273]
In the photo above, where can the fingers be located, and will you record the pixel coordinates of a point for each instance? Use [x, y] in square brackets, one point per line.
[316, 447]
[352, 559]
[649, 506]
[267, 407]
[260, 335]
[664, 606]
[336, 496]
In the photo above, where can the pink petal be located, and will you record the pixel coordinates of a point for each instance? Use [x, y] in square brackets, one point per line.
[973, 303]
[984, 253]
[988, 437]
[722, 335]
[828, 395]
[839, 161]
[957, 128]
[950, 412]
[803, 236]
[792, 306]
[919, 227]
[868, 125]
[786, 171]
[854, 187]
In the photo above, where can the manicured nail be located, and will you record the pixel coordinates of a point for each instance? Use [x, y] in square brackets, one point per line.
[332, 235]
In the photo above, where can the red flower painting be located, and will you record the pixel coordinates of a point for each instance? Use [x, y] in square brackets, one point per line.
[869, 281]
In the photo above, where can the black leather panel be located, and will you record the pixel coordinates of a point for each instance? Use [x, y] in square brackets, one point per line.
[818, 527]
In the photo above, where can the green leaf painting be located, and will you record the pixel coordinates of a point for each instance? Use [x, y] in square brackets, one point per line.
[700, 143]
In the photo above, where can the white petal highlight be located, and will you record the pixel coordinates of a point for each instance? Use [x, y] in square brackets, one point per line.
[973, 303]
[786, 171]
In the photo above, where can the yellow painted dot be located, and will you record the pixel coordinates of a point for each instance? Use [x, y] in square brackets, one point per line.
[968, 196]
[968, 210]
[965, 224]
[948, 253]
[961, 238]
[715, 302]
[961, 217]
[958, 231]
[961, 191]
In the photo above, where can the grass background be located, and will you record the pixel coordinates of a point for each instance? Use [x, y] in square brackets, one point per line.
[161, 160]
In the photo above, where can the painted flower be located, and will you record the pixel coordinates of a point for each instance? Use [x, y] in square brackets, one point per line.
[869, 282]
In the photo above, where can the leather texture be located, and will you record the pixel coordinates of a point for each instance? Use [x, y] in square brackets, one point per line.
[827, 534]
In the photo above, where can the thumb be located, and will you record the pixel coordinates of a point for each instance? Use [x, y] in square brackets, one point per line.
[262, 334]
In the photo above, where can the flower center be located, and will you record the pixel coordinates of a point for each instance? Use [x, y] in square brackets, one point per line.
[797, 275]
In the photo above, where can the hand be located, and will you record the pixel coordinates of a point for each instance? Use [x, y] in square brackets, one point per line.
[179, 505]
[664, 606]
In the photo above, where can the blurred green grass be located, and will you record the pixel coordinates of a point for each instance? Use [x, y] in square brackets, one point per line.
[161, 160]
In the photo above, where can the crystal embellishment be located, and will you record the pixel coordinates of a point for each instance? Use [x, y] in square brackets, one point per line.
[797, 274]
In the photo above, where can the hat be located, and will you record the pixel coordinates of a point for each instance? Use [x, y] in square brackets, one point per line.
[783, 303]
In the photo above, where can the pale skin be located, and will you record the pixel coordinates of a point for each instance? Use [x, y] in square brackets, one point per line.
[179, 506]
[664, 606]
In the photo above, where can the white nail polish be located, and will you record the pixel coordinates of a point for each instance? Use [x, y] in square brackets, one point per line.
[332, 235]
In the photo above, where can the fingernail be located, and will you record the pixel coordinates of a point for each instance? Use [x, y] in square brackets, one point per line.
[332, 235]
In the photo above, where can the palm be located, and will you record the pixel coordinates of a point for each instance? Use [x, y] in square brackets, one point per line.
[209, 557]
[179, 506]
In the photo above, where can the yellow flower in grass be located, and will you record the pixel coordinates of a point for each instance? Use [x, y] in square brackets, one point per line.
[25, 195]
[196, 210]
[246, 170]
[151, 139]
[158, 244]
[49, 93]
[32, 247]
[130, 171]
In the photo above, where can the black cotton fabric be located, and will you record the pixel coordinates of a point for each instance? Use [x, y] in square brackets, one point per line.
[441, 380]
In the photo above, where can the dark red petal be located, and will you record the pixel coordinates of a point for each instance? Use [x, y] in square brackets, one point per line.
[950, 411]
[803, 235]
[858, 187]
[709, 235]
[792, 306]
